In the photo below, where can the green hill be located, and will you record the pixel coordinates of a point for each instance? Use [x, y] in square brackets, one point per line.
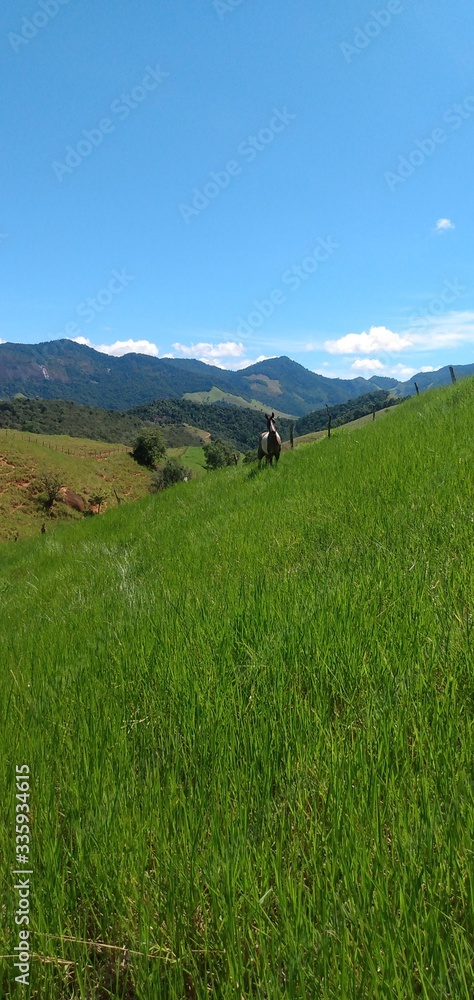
[62, 369]
[217, 396]
[85, 467]
[239, 427]
[57, 416]
[246, 708]
[181, 421]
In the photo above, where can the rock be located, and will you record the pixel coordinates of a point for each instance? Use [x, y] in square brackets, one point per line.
[72, 499]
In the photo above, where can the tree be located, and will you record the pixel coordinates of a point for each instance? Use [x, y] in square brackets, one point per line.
[250, 456]
[218, 454]
[48, 489]
[149, 448]
[168, 474]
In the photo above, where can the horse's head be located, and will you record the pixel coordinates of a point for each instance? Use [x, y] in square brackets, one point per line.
[271, 425]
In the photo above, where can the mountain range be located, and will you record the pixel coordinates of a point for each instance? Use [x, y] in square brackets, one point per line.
[62, 369]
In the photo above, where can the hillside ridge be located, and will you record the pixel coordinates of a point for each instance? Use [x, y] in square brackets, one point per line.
[65, 370]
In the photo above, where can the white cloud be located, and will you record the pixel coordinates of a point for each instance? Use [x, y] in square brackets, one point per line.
[222, 355]
[228, 349]
[367, 364]
[379, 338]
[443, 224]
[2, 341]
[121, 347]
[402, 372]
[450, 330]
[249, 361]
[82, 340]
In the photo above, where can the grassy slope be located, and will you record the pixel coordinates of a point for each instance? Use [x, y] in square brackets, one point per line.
[352, 425]
[192, 458]
[84, 466]
[217, 395]
[247, 708]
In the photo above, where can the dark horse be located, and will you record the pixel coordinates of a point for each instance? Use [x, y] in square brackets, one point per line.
[269, 443]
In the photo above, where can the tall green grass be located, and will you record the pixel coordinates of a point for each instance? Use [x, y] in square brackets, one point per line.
[247, 705]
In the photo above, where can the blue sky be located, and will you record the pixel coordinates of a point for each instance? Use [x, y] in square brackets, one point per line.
[231, 180]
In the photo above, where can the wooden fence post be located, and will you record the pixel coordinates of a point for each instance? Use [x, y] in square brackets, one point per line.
[329, 421]
[417, 389]
[451, 372]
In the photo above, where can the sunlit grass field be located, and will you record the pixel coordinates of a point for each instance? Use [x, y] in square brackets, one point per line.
[192, 457]
[247, 706]
[216, 395]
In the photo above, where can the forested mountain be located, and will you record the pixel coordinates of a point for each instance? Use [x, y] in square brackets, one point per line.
[62, 369]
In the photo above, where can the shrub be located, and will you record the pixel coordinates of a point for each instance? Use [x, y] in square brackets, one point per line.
[168, 474]
[218, 454]
[149, 448]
